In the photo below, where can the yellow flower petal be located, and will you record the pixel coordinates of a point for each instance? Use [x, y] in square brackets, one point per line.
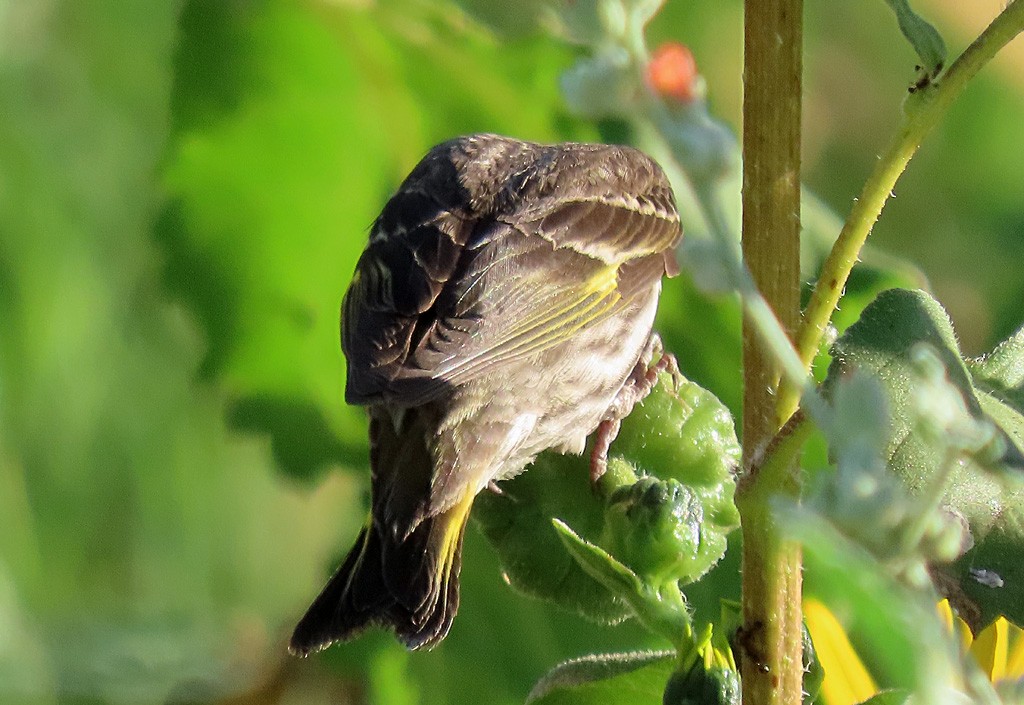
[954, 625]
[1015, 657]
[846, 680]
[946, 614]
[990, 649]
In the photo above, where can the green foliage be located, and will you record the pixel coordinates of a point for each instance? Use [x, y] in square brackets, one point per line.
[937, 417]
[185, 189]
[887, 620]
[1000, 375]
[124, 498]
[665, 512]
[889, 697]
[637, 677]
[886, 342]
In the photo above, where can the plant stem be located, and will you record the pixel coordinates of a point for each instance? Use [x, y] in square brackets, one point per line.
[922, 111]
[771, 664]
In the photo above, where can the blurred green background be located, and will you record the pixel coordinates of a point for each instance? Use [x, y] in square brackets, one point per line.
[184, 190]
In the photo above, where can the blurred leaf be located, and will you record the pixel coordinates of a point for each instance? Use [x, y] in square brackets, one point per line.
[883, 343]
[631, 678]
[886, 633]
[292, 125]
[146, 549]
[252, 224]
[925, 39]
[889, 697]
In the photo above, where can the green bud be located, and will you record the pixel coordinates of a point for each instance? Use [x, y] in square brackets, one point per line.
[702, 684]
[657, 528]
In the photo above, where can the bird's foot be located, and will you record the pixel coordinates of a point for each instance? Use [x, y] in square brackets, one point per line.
[638, 385]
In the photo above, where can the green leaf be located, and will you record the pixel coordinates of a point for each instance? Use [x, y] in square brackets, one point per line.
[1000, 376]
[932, 418]
[886, 342]
[925, 39]
[659, 608]
[630, 678]
[534, 560]
[685, 434]
[602, 567]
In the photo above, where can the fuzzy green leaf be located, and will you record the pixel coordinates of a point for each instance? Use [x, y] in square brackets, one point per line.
[926, 424]
[681, 444]
[630, 678]
[659, 608]
[1000, 376]
[602, 567]
[533, 559]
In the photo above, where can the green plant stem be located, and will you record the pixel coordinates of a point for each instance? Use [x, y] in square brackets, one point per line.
[771, 644]
[921, 112]
[774, 467]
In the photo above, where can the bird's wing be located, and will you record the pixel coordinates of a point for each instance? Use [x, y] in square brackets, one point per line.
[468, 271]
[450, 299]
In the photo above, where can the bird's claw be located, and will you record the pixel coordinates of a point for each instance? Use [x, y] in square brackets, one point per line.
[638, 385]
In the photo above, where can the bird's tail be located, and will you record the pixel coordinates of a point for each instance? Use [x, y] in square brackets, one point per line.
[410, 584]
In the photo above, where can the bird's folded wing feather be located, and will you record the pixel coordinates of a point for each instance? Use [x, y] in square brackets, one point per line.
[437, 303]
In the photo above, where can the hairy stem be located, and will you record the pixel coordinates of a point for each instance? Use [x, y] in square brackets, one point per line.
[771, 664]
[922, 111]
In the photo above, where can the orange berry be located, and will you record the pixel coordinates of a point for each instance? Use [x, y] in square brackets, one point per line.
[672, 72]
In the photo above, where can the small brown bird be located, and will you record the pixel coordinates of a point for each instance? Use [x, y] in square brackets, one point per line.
[502, 307]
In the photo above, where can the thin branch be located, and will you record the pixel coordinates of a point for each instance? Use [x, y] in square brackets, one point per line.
[923, 109]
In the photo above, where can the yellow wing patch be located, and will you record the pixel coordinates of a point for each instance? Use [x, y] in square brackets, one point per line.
[568, 312]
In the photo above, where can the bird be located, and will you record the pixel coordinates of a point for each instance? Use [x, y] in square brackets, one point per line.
[503, 306]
